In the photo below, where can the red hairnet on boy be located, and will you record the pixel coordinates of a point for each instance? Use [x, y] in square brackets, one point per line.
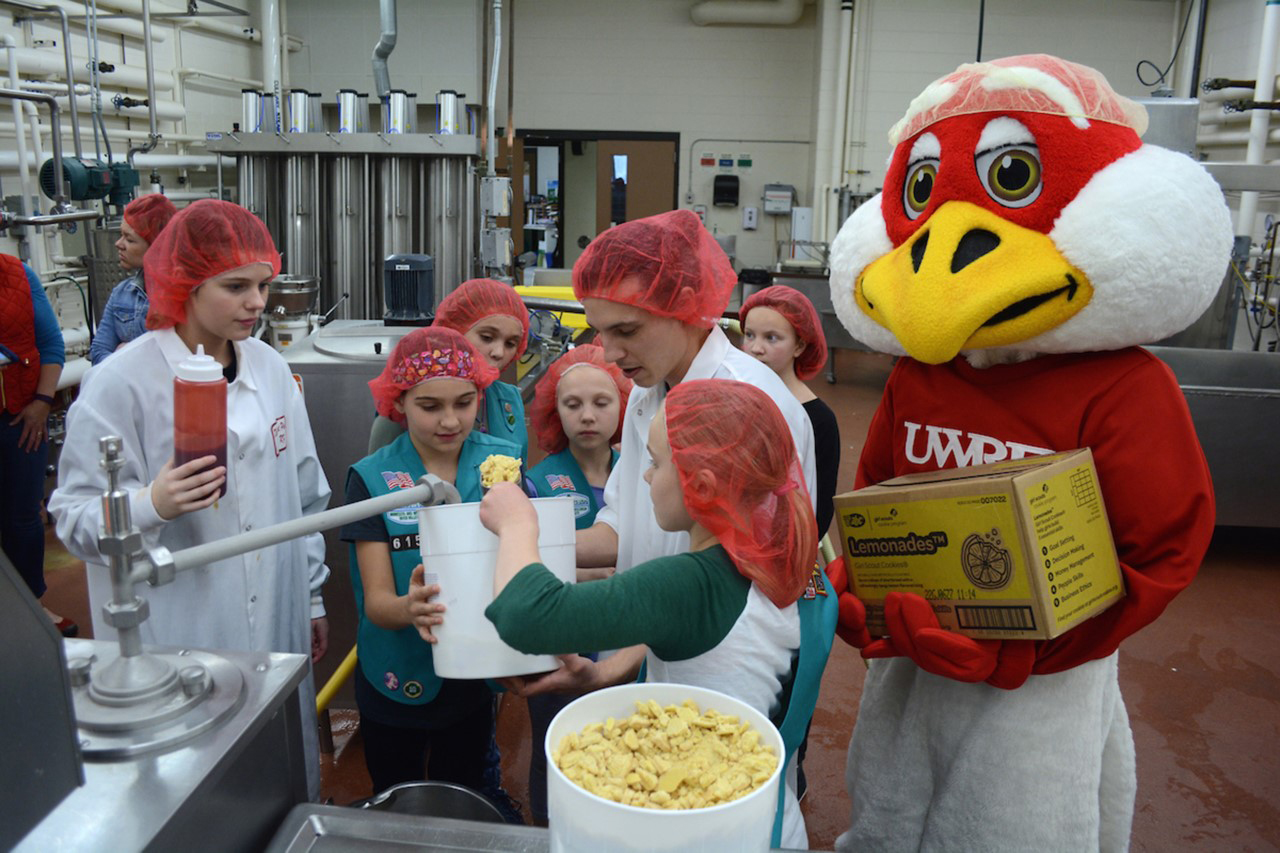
[667, 264]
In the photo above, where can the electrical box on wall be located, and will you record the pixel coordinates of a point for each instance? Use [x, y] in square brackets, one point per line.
[725, 191]
[779, 198]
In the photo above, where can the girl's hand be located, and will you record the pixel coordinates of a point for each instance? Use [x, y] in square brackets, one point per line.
[506, 506]
[187, 488]
[424, 613]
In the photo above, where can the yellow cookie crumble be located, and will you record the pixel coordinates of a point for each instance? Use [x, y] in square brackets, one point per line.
[667, 758]
[499, 469]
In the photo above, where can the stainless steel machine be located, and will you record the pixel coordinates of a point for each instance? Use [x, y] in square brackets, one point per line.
[338, 203]
[131, 748]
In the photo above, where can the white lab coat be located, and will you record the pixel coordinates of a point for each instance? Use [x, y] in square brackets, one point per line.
[628, 508]
[261, 601]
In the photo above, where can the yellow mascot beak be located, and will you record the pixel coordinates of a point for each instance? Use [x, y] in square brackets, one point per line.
[969, 279]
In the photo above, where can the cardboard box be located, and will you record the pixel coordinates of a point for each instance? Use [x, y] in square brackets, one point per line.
[1013, 550]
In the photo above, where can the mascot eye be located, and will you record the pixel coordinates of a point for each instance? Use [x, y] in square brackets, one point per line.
[919, 187]
[1011, 175]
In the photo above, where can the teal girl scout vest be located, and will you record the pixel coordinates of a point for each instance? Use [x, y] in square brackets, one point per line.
[398, 663]
[560, 475]
[504, 415]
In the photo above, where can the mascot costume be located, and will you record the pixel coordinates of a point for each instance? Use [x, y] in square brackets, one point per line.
[1025, 243]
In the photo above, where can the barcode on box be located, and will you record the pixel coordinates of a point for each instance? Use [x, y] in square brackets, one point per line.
[1003, 618]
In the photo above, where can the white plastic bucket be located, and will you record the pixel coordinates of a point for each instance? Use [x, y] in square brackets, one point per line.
[581, 821]
[459, 554]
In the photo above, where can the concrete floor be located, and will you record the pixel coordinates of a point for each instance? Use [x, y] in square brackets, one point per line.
[1202, 686]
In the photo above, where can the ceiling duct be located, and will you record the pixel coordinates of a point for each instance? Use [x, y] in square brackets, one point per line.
[747, 12]
[386, 44]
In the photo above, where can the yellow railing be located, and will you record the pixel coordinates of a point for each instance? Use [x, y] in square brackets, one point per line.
[335, 682]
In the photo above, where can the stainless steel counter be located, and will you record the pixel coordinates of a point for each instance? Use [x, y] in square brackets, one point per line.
[226, 790]
[334, 828]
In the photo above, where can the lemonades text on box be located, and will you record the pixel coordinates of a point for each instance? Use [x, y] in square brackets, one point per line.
[1019, 549]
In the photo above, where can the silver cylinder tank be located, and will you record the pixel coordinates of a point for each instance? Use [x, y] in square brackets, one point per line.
[349, 248]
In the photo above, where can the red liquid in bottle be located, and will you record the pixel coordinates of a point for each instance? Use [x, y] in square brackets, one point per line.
[200, 412]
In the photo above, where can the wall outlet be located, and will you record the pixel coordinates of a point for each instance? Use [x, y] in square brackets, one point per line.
[750, 218]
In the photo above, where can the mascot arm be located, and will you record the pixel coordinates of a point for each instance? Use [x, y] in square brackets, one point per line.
[1159, 500]
[875, 464]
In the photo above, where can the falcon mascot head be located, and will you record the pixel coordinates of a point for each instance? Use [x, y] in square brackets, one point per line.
[1021, 214]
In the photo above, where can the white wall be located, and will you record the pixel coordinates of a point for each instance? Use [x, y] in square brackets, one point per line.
[438, 46]
[618, 65]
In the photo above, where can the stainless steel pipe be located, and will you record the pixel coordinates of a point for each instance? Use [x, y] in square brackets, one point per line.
[431, 490]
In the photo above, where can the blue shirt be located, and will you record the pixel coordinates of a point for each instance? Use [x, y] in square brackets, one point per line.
[49, 340]
[124, 318]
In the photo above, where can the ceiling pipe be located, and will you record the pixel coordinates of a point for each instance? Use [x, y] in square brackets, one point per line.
[775, 13]
[44, 63]
[203, 23]
[153, 136]
[271, 83]
[1259, 120]
[493, 87]
[120, 26]
[165, 110]
[9, 160]
[381, 50]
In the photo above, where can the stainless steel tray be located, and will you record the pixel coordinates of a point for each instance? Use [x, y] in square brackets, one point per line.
[310, 827]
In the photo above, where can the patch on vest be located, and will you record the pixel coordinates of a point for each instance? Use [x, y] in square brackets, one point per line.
[510, 414]
[559, 481]
[390, 680]
[413, 689]
[405, 514]
[815, 587]
[397, 479]
[581, 505]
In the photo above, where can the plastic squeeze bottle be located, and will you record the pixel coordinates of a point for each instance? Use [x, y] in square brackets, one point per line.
[200, 411]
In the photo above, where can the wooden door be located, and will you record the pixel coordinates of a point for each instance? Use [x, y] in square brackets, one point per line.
[650, 185]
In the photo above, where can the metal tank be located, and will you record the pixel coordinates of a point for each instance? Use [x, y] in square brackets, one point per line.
[300, 220]
[349, 246]
[338, 204]
[105, 271]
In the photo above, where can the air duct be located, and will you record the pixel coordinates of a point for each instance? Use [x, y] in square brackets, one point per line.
[386, 44]
[769, 13]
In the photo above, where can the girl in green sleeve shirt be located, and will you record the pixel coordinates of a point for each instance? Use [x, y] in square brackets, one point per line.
[722, 616]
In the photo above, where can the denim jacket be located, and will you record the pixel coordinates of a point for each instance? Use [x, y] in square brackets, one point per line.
[124, 317]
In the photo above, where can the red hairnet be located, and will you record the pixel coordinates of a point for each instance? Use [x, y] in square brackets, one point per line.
[433, 352]
[666, 264]
[148, 215]
[797, 310]
[743, 482]
[545, 416]
[478, 298]
[206, 238]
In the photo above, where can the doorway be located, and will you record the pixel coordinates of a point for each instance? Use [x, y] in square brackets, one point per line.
[602, 178]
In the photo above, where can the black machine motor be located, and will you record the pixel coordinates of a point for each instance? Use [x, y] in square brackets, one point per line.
[408, 290]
